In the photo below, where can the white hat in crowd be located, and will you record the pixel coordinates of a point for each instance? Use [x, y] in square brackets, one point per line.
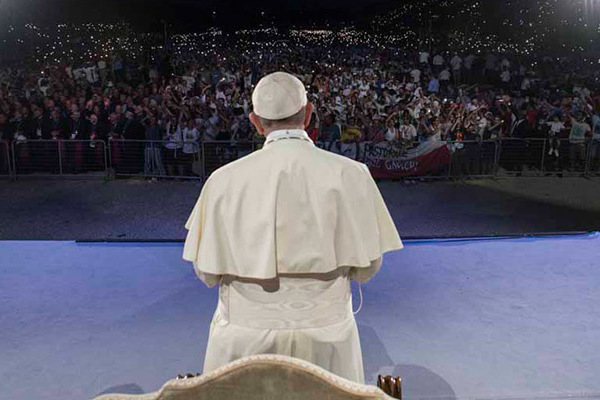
[278, 96]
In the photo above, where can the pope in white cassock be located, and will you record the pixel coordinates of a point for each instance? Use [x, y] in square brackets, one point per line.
[283, 231]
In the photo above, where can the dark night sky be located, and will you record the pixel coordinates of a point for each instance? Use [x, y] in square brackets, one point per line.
[185, 15]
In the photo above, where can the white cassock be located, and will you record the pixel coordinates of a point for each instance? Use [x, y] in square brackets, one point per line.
[283, 231]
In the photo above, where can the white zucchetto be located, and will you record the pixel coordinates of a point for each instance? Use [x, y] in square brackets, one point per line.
[278, 96]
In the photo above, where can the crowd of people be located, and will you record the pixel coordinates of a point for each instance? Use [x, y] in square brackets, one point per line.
[361, 94]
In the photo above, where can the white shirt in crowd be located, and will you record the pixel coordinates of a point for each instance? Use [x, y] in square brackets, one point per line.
[416, 111]
[407, 132]
[416, 75]
[482, 125]
[220, 95]
[91, 74]
[424, 57]
[456, 63]
[173, 136]
[391, 134]
[248, 80]
[44, 85]
[364, 89]
[209, 127]
[445, 75]
[438, 60]
[585, 93]
[190, 136]
[78, 73]
[555, 127]
[505, 76]
[190, 81]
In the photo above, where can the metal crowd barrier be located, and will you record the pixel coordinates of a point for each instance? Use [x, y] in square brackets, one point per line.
[219, 153]
[522, 156]
[157, 159]
[5, 159]
[473, 158]
[59, 157]
[197, 160]
[592, 166]
[489, 158]
[543, 157]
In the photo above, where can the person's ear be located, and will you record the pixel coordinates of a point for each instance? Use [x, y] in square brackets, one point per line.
[308, 114]
[256, 122]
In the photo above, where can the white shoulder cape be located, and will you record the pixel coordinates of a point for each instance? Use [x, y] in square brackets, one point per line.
[288, 208]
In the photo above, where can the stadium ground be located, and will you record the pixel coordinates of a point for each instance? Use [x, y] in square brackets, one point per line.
[143, 210]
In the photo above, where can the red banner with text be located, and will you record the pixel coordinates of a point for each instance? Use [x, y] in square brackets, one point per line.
[388, 161]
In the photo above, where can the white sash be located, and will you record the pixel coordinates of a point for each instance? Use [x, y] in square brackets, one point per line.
[299, 303]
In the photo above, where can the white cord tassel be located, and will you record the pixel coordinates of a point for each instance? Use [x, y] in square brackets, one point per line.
[360, 295]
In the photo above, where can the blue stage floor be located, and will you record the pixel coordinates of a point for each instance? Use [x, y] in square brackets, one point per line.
[493, 319]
